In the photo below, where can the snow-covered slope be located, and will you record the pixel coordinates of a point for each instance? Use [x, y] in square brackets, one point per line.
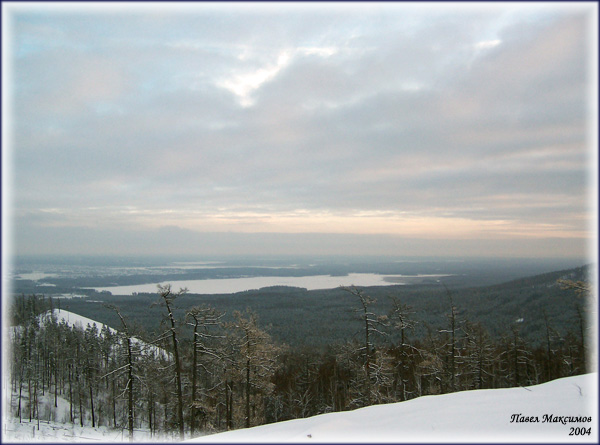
[469, 416]
[73, 319]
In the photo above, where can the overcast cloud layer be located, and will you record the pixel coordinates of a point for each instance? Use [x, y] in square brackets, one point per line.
[131, 126]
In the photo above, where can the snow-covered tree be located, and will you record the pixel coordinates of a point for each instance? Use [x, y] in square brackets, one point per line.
[204, 321]
[255, 361]
[373, 325]
[129, 367]
[168, 297]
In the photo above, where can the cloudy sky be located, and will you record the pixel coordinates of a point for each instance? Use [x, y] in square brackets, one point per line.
[392, 128]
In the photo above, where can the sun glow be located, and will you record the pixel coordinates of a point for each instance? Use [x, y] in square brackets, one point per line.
[423, 226]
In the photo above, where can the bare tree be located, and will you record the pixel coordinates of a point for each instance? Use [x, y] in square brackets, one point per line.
[129, 367]
[478, 355]
[372, 326]
[202, 319]
[257, 358]
[514, 357]
[582, 290]
[452, 344]
[91, 361]
[400, 319]
[168, 297]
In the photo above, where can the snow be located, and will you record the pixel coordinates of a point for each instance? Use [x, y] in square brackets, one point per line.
[76, 320]
[52, 431]
[73, 319]
[53, 427]
[464, 417]
[26, 431]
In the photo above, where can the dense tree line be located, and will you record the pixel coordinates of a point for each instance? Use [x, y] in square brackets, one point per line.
[204, 373]
[328, 318]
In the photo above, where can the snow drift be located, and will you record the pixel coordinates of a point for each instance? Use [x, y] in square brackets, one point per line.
[561, 411]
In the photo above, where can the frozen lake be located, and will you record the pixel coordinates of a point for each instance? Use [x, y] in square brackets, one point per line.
[232, 285]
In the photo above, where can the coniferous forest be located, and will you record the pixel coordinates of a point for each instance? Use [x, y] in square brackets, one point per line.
[204, 372]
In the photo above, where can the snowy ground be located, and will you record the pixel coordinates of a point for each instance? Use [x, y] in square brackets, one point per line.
[53, 432]
[73, 319]
[14, 432]
[54, 428]
[470, 416]
[465, 417]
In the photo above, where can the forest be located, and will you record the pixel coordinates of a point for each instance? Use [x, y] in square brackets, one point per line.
[319, 318]
[204, 370]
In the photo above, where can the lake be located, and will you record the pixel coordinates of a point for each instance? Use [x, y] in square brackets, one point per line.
[232, 285]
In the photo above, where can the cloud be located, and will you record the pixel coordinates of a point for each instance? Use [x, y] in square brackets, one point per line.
[464, 122]
[487, 44]
[245, 83]
[176, 241]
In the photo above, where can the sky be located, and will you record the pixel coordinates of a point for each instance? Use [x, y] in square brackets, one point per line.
[315, 128]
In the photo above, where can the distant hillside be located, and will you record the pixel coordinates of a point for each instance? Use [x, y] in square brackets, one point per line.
[527, 301]
[548, 279]
[320, 317]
